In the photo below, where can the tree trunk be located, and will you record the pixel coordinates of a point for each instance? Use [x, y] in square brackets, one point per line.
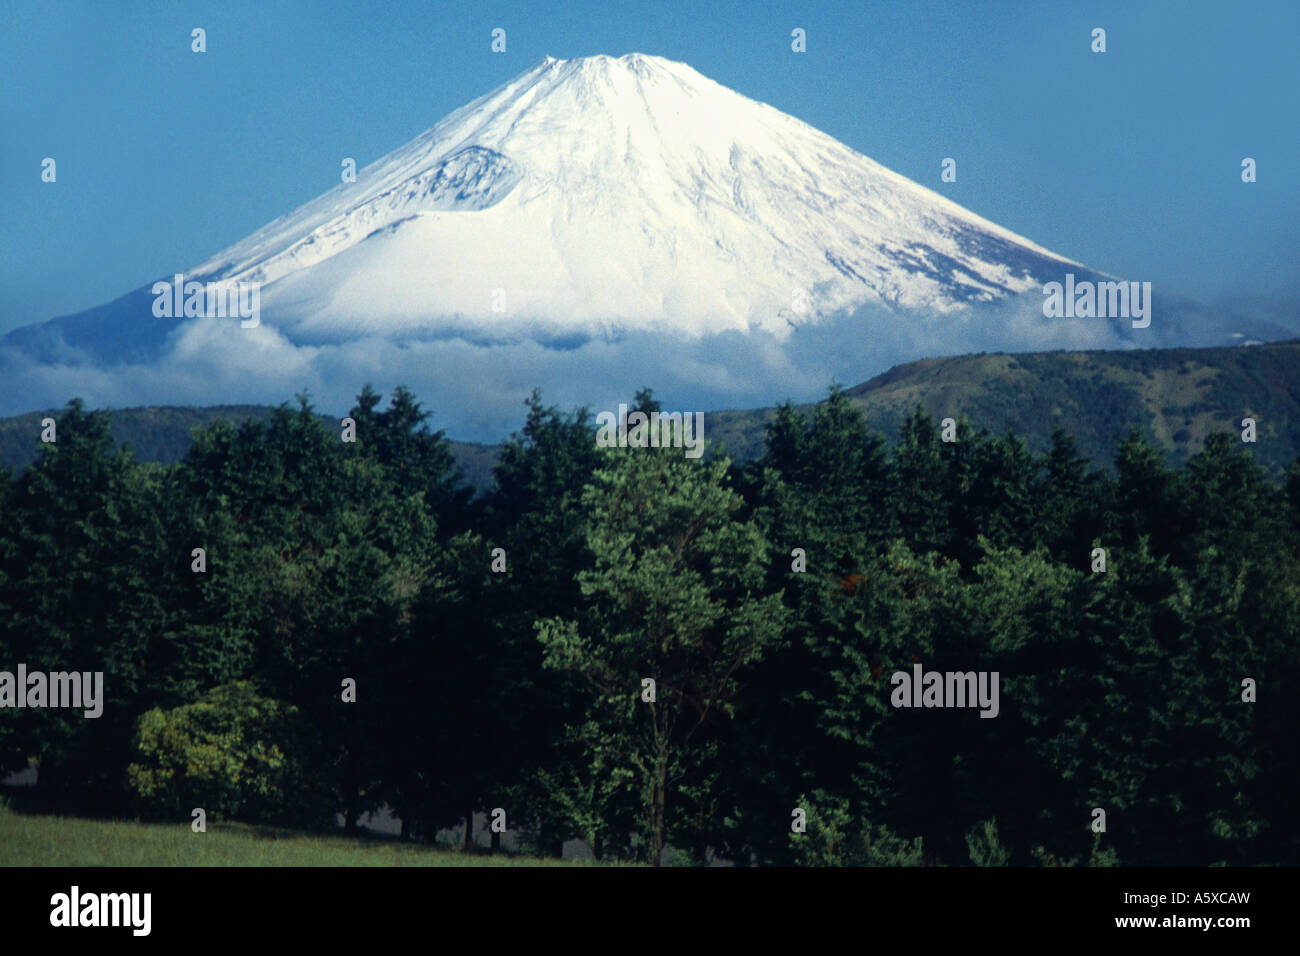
[350, 820]
[657, 809]
[496, 842]
[468, 843]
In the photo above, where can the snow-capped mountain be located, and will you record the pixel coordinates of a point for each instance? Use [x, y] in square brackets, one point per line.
[610, 194]
[593, 225]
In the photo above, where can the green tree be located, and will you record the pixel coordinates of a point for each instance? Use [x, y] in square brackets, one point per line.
[822, 487]
[416, 459]
[80, 584]
[1070, 504]
[318, 554]
[1146, 497]
[923, 486]
[835, 836]
[535, 513]
[235, 754]
[674, 596]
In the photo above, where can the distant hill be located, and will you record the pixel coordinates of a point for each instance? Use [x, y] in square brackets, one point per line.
[1176, 396]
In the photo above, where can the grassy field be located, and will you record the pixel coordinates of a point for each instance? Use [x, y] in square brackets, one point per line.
[49, 840]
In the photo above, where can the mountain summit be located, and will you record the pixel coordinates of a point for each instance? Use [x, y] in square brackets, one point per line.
[609, 194]
[592, 225]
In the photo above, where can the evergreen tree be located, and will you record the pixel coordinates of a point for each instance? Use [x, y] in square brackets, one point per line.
[80, 587]
[535, 513]
[923, 487]
[1071, 504]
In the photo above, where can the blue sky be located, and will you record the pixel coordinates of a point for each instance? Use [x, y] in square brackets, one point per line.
[1128, 161]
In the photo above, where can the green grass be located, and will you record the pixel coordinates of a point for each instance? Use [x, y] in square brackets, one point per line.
[49, 840]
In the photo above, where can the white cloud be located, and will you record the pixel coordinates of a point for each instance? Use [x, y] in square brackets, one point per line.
[476, 390]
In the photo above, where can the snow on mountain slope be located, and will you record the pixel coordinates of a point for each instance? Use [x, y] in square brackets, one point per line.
[591, 226]
[606, 195]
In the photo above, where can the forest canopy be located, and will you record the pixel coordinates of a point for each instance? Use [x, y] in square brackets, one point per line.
[648, 651]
